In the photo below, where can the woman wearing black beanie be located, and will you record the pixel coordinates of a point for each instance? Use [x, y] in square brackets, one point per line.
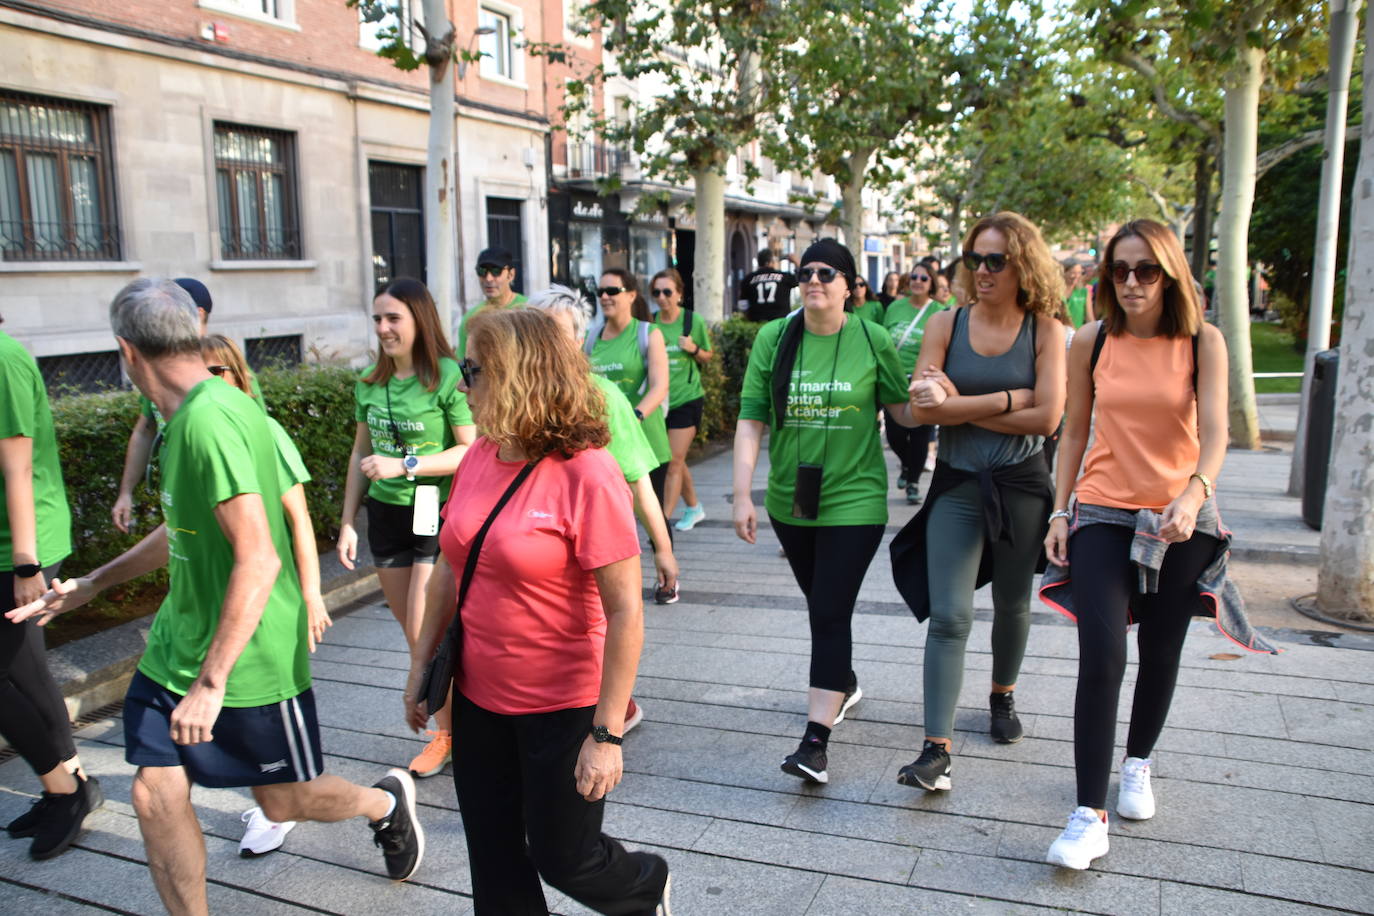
[817, 378]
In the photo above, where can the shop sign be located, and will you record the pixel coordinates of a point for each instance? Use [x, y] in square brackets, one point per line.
[583, 210]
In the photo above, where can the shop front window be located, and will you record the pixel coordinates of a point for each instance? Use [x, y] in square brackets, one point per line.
[584, 255]
[648, 252]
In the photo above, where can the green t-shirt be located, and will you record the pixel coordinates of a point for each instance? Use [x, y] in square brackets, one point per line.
[1077, 304]
[854, 482]
[898, 319]
[24, 411]
[518, 301]
[684, 375]
[291, 468]
[628, 446]
[619, 361]
[871, 310]
[218, 446]
[149, 410]
[424, 420]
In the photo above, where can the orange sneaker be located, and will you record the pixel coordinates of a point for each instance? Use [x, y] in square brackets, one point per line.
[431, 760]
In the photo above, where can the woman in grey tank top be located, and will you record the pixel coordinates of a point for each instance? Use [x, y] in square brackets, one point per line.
[992, 376]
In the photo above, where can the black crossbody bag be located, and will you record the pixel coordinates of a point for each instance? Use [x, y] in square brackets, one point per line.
[439, 673]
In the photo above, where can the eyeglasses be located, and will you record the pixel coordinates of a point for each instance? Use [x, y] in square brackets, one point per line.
[664, 292]
[919, 278]
[611, 290]
[996, 262]
[824, 274]
[489, 271]
[861, 283]
[1145, 274]
[218, 370]
[470, 371]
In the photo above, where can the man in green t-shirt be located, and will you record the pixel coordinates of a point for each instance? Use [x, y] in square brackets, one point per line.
[222, 694]
[496, 273]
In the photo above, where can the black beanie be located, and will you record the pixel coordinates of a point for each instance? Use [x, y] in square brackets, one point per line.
[833, 254]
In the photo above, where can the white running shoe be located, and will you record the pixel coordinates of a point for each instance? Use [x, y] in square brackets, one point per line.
[1135, 800]
[262, 836]
[1084, 839]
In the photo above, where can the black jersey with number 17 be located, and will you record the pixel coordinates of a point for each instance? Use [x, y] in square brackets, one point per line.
[769, 294]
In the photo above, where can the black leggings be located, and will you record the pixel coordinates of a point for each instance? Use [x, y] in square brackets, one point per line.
[1105, 583]
[910, 444]
[829, 564]
[33, 715]
[658, 479]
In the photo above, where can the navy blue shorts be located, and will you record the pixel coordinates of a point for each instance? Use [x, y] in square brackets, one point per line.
[253, 745]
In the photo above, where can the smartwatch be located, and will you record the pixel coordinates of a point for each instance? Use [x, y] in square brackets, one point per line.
[411, 463]
[26, 570]
[602, 735]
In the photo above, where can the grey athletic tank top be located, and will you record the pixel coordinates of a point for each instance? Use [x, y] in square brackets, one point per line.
[973, 448]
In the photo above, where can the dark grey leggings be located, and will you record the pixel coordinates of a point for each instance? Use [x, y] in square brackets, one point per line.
[954, 548]
[33, 715]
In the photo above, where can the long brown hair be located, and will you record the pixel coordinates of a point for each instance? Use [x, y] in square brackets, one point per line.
[1042, 280]
[639, 308]
[537, 395]
[1182, 308]
[430, 343]
[219, 350]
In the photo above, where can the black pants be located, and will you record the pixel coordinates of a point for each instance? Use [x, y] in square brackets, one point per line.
[658, 479]
[33, 716]
[524, 819]
[1105, 584]
[910, 445]
[829, 564]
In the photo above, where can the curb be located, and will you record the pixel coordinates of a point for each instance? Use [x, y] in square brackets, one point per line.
[1288, 553]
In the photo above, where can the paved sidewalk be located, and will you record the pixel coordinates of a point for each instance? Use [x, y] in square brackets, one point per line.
[1266, 798]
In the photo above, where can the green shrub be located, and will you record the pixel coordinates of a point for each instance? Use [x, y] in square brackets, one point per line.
[733, 339]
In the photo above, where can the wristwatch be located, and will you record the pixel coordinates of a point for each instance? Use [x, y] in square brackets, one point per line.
[26, 570]
[411, 463]
[639, 415]
[602, 735]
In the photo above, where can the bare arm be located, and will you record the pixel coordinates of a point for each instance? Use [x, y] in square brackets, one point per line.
[650, 513]
[1180, 516]
[931, 403]
[1042, 417]
[16, 466]
[658, 374]
[441, 601]
[68, 594]
[440, 464]
[1073, 442]
[355, 485]
[307, 562]
[600, 766]
[748, 442]
[135, 463]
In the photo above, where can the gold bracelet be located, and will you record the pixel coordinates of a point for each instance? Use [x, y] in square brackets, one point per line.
[1206, 484]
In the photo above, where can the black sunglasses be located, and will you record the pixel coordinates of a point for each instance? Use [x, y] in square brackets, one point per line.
[611, 290]
[996, 262]
[1145, 274]
[664, 291]
[919, 278]
[489, 271]
[824, 274]
[470, 371]
[218, 370]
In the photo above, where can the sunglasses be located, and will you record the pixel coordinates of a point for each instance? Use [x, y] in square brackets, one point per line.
[611, 291]
[664, 292]
[218, 370]
[996, 262]
[1145, 274]
[919, 278]
[489, 271]
[470, 371]
[824, 274]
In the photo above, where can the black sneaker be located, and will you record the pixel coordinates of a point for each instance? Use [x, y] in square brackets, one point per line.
[930, 771]
[807, 762]
[663, 909]
[666, 594]
[63, 817]
[399, 833]
[851, 696]
[26, 824]
[1006, 728]
[913, 494]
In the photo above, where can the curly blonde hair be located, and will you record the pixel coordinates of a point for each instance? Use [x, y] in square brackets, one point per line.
[537, 395]
[1041, 277]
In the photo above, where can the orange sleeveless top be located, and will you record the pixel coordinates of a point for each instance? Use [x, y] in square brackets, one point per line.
[1146, 441]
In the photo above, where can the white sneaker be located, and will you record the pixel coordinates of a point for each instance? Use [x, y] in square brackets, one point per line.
[1084, 839]
[262, 835]
[1135, 801]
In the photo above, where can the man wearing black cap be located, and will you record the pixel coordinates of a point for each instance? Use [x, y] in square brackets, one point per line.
[496, 273]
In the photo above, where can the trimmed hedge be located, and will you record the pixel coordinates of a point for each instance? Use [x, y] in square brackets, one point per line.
[723, 376]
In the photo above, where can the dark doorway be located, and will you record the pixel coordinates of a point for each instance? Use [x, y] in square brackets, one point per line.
[398, 221]
[685, 260]
[739, 268]
[504, 228]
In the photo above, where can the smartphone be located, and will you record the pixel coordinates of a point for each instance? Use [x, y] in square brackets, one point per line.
[806, 497]
[425, 521]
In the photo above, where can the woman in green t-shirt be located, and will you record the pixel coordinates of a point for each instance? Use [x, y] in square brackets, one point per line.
[905, 320]
[628, 351]
[689, 348]
[413, 428]
[816, 379]
[1078, 298]
[866, 303]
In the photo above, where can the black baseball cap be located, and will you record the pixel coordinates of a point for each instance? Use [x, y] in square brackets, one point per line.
[197, 291]
[496, 256]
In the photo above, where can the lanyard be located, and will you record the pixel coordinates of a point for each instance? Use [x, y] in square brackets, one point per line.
[391, 420]
[829, 392]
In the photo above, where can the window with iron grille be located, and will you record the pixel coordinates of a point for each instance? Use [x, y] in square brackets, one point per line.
[56, 186]
[255, 176]
[262, 352]
[79, 372]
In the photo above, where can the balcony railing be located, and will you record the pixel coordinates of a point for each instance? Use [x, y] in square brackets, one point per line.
[589, 160]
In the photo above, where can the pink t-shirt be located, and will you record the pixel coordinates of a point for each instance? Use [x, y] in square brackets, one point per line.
[533, 627]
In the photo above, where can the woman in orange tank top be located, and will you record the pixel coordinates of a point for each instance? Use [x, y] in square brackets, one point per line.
[1143, 528]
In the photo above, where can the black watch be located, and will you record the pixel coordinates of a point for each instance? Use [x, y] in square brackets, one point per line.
[602, 735]
[26, 570]
[638, 414]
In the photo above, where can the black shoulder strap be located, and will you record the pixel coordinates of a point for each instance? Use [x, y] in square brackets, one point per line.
[687, 317]
[784, 358]
[471, 566]
[1097, 349]
[1195, 366]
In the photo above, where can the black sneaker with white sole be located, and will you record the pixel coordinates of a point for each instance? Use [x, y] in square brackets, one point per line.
[1005, 727]
[930, 771]
[808, 761]
[663, 908]
[399, 833]
[64, 817]
[851, 696]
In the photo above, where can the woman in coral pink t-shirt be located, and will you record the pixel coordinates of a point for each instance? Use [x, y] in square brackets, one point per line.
[552, 628]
